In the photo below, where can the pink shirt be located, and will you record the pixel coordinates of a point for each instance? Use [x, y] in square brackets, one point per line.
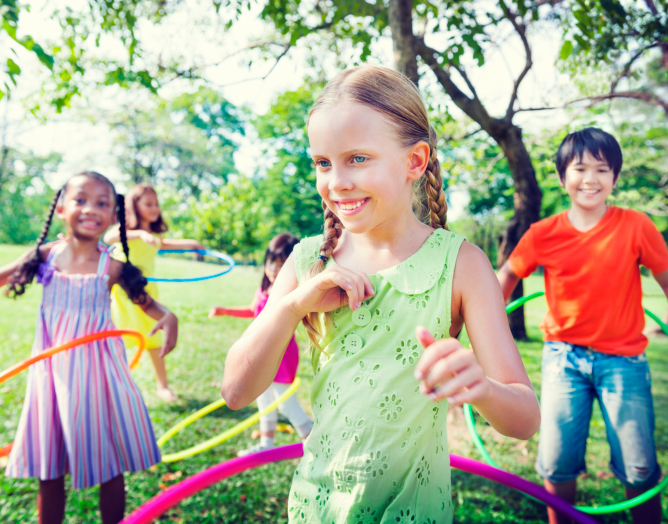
[288, 368]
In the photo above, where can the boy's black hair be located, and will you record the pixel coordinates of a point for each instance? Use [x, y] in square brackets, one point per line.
[131, 276]
[279, 248]
[599, 144]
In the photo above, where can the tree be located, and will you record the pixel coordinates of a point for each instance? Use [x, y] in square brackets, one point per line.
[71, 59]
[631, 42]
[288, 189]
[470, 28]
[188, 141]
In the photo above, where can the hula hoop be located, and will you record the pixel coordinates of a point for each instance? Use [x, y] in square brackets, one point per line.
[597, 510]
[25, 364]
[214, 441]
[17, 368]
[172, 496]
[205, 252]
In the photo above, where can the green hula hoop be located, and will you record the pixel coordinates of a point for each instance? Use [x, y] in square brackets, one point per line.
[214, 441]
[598, 510]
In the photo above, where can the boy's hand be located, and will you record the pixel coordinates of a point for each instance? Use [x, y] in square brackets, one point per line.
[448, 370]
[213, 312]
[335, 287]
[170, 325]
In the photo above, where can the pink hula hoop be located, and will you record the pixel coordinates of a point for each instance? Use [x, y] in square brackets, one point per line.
[172, 496]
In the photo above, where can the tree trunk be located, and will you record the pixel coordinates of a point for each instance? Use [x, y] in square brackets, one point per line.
[403, 41]
[526, 202]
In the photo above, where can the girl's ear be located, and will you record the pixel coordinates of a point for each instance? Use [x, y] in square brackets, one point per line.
[60, 211]
[418, 159]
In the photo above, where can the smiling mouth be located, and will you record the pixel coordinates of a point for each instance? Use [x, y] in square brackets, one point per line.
[90, 224]
[590, 191]
[351, 205]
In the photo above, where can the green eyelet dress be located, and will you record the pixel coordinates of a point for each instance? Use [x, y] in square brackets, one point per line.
[378, 451]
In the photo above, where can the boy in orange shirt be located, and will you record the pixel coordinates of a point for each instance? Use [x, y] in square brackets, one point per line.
[594, 345]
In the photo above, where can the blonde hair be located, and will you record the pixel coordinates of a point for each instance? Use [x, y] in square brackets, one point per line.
[398, 99]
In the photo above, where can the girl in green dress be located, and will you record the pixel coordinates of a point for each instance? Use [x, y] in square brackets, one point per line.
[383, 295]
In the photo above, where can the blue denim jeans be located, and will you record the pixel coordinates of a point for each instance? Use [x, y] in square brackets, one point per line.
[572, 377]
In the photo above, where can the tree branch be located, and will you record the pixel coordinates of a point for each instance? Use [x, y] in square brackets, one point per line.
[471, 106]
[464, 137]
[520, 28]
[627, 68]
[644, 96]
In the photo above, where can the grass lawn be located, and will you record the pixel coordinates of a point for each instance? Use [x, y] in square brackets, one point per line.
[195, 370]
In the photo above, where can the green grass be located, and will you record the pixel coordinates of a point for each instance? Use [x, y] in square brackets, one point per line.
[196, 368]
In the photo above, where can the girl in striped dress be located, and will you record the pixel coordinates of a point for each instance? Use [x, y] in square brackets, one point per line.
[82, 414]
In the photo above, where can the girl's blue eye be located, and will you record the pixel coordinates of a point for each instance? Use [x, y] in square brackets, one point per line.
[359, 159]
[323, 163]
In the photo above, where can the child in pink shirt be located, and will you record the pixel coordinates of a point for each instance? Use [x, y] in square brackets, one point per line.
[278, 251]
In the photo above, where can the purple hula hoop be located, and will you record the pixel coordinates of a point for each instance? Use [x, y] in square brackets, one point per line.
[172, 496]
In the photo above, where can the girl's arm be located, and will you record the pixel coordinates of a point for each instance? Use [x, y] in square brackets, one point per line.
[113, 235]
[181, 243]
[167, 321]
[492, 376]
[7, 270]
[253, 360]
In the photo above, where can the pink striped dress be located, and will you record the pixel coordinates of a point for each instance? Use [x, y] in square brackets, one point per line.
[82, 414]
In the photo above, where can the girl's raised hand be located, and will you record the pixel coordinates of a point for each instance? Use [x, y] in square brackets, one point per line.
[335, 287]
[170, 325]
[448, 370]
[149, 238]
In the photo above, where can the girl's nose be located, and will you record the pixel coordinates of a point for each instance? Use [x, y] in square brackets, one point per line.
[340, 180]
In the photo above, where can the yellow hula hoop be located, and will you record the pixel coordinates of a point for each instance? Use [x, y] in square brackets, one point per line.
[212, 442]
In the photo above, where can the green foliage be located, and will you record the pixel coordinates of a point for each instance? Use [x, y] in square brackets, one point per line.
[70, 56]
[289, 187]
[626, 45]
[243, 214]
[187, 143]
[24, 196]
[607, 31]
[233, 218]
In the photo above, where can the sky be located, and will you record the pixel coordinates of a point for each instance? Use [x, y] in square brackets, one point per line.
[87, 144]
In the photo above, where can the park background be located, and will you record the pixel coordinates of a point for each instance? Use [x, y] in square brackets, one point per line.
[207, 100]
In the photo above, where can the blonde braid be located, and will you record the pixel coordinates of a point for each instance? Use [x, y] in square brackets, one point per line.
[438, 207]
[314, 323]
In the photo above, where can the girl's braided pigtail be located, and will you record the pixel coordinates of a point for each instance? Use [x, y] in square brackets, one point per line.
[26, 272]
[131, 276]
[315, 323]
[438, 207]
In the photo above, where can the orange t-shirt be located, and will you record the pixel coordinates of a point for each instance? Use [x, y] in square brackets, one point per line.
[592, 279]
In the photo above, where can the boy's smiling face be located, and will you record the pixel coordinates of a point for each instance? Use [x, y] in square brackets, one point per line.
[588, 182]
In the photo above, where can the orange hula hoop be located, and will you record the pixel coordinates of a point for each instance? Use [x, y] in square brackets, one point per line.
[16, 369]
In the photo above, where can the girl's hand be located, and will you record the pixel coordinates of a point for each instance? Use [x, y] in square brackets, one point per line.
[149, 238]
[448, 370]
[213, 312]
[335, 287]
[170, 324]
